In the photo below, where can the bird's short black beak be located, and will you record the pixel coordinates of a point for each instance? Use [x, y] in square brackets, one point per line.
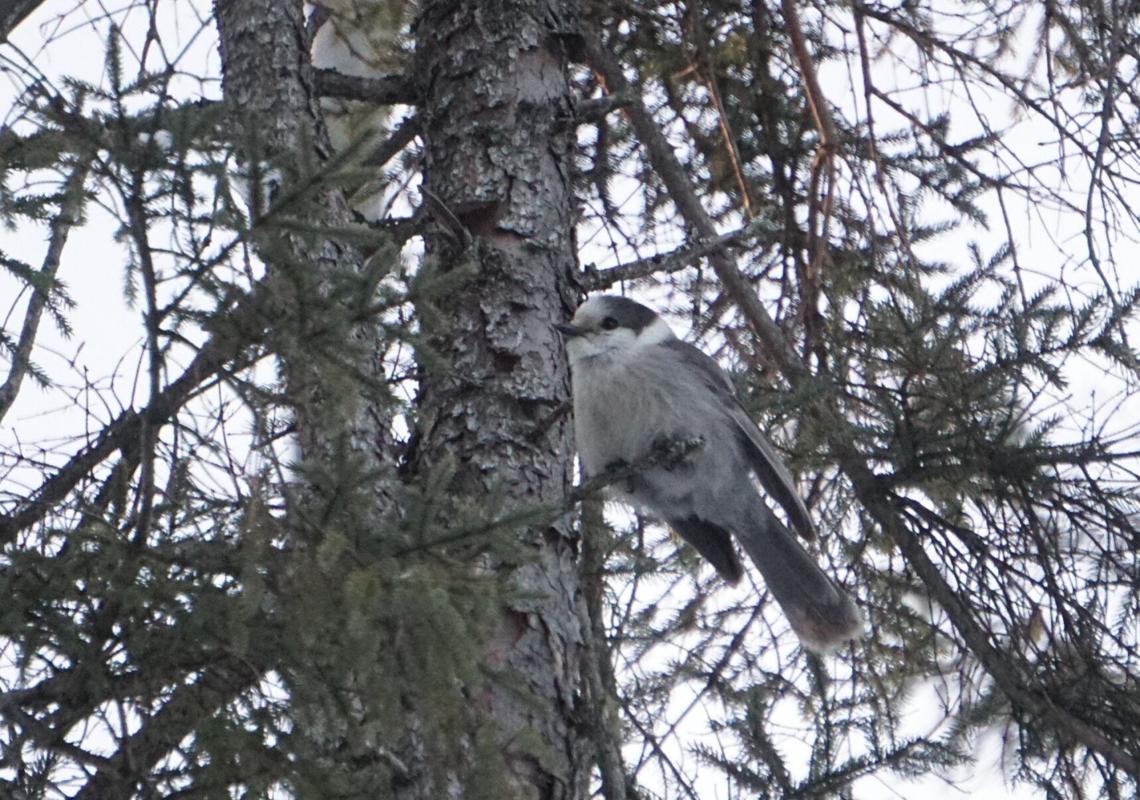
[566, 329]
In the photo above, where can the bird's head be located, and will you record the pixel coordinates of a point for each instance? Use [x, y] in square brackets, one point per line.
[610, 325]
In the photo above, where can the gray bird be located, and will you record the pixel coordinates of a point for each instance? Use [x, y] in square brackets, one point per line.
[636, 385]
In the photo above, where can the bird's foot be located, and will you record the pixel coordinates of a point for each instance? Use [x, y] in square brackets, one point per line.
[669, 451]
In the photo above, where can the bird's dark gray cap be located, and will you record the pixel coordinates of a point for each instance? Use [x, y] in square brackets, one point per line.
[629, 313]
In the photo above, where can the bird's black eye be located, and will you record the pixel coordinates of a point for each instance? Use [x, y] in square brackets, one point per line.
[609, 323]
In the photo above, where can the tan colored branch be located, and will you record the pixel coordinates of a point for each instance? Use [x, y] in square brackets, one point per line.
[819, 211]
[829, 138]
[730, 145]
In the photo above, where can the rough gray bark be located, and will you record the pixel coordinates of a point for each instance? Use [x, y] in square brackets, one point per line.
[13, 12]
[495, 114]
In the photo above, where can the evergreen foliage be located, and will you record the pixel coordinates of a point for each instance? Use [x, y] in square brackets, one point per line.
[193, 605]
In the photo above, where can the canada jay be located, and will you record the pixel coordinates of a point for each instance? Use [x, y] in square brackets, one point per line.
[636, 386]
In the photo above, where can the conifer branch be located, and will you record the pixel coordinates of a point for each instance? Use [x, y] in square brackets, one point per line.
[676, 180]
[178, 717]
[211, 359]
[70, 211]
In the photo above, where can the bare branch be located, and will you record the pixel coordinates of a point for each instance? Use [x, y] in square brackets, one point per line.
[594, 279]
[126, 428]
[823, 169]
[1006, 672]
[829, 137]
[387, 90]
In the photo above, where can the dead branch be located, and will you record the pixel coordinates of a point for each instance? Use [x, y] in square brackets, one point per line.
[386, 90]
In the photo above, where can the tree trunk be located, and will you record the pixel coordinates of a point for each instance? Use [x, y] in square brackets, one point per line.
[496, 115]
[270, 90]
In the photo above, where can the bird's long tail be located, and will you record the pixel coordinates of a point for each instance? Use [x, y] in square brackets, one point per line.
[820, 613]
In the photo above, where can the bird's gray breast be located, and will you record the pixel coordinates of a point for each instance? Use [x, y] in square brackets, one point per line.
[625, 402]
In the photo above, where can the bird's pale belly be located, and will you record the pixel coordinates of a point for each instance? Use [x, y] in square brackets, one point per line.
[616, 424]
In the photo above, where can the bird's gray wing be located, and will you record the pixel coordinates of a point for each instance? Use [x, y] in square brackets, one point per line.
[769, 469]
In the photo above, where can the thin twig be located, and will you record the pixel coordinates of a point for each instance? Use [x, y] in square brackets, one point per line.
[676, 180]
[594, 279]
[210, 359]
[822, 170]
[726, 133]
[870, 90]
[138, 226]
[397, 140]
